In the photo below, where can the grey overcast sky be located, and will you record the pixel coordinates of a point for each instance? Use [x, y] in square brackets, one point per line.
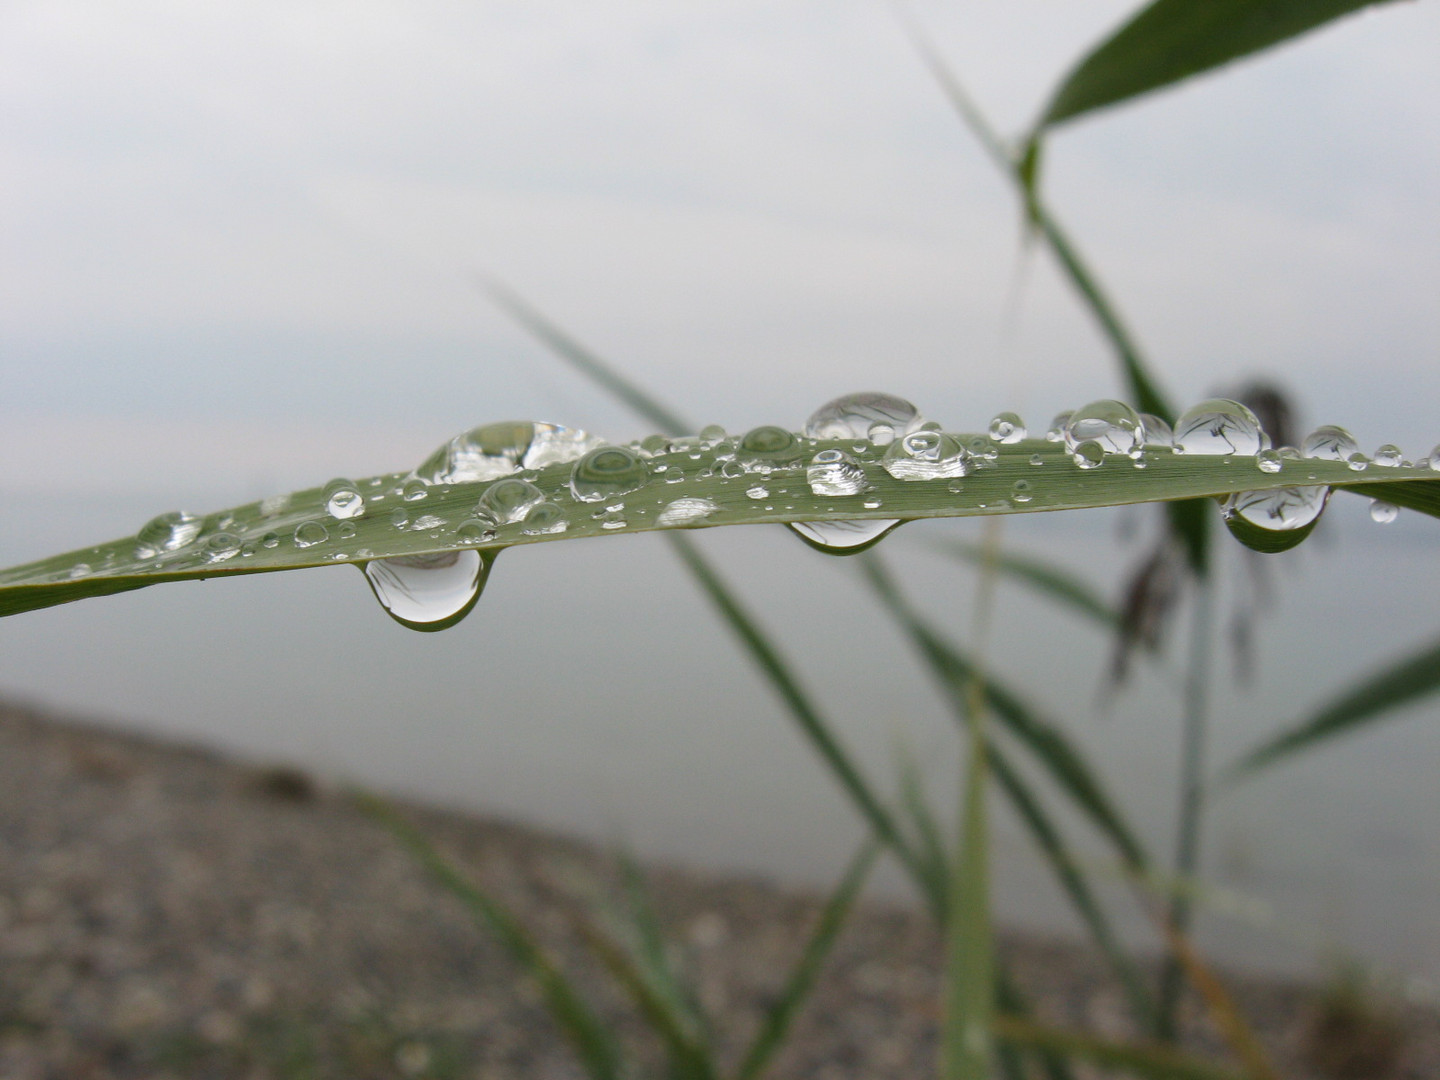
[240, 240]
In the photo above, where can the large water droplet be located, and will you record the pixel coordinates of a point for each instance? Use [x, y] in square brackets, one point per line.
[769, 445]
[925, 455]
[310, 533]
[834, 472]
[343, 499]
[430, 592]
[1383, 512]
[1219, 427]
[1114, 425]
[1330, 443]
[1007, 428]
[1388, 456]
[167, 532]
[852, 416]
[607, 471]
[509, 500]
[1276, 519]
[1158, 433]
[496, 450]
[844, 537]
[687, 511]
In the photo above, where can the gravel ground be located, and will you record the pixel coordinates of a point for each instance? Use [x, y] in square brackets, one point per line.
[165, 912]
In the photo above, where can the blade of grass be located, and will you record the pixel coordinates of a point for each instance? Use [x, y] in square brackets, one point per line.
[930, 844]
[590, 1038]
[1143, 1059]
[1363, 703]
[1051, 581]
[802, 977]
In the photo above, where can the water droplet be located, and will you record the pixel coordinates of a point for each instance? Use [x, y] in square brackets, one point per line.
[674, 475]
[769, 445]
[273, 504]
[1007, 428]
[1269, 461]
[310, 533]
[1435, 459]
[543, 519]
[758, 492]
[872, 504]
[167, 532]
[343, 499]
[426, 522]
[712, 433]
[270, 540]
[686, 512]
[1113, 425]
[400, 518]
[414, 490]
[221, 546]
[1274, 520]
[430, 592]
[834, 472]
[1383, 512]
[1388, 456]
[881, 433]
[1358, 462]
[496, 450]
[613, 521]
[475, 530]
[1037, 459]
[655, 444]
[925, 455]
[852, 416]
[843, 537]
[1088, 455]
[509, 500]
[80, 570]
[605, 472]
[1157, 432]
[1056, 431]
[1020, 491]
[346, 531]
[1330, 443]
[1219, 427]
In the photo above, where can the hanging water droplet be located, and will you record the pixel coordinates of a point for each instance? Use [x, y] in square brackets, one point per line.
[414, 490]
[167, 532]
[430, 592]
[607, 471]
[686, 511]
[1219, 427]
[834, 472]
[1056, 431]
[852, 416]
[1330, 443]
[1088, 455]
[843, 537]
[1007, 428]
[343, 499]
[221, 546]
[496, 450]
[1113, 425]
[1383, 512]
[925, 455]
[543, 519]
[1388, 456]
[1269, 461]
[769, 445]
[1020, 491]
[759, 491]
[1157, 433]
[509, 500]
[1274, 520]
[310, 533]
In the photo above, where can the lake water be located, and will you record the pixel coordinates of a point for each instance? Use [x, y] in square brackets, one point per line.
[593, 691]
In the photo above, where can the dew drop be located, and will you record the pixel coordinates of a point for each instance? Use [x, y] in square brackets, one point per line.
[1088, 455]
[1358, 462]
[843, 537]
[1383, 512]
[346, 531]
[712, 433]
[1388, 456]
[426, 522]
[414, 490]
[759, 491]
[167, 532]
[509, 500]
[1112, 425]
[605, 472]
[310, 533]
[1056, 432]
[872, 504]
[1269, 461]
[1219, 427]
[834, 472]
[1274, 520]
[79, 570]
[852, 416]
[430, 592]
[1158, 433]
[273, 504]
[687, 511]
[1007, 428]
[343, 499]
[1435, 459]
[1037, 459]
[496, 450]
[769, 444]
[270, 540]
[400, 517]
[1330, 443]
[544, 518]
[1020, 491]
[881, 433]
[221, 546]
[925, 455]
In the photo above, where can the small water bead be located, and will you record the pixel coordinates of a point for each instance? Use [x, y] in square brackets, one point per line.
[1088, 455]
[732, 469]
[1219, 427]
[414, 490]
[343, 499]
[758, 492]
[310, 533]
[1269, 461]
[1358, 462]
[429, 592]
[852, 416]
[1388, 456]
[674, 475]
[1434, 459]
[607, 471]
[1056, 432]
[496, 450]
[426, 522]
[400, 517]
[1037, 459]
[346, 531]
[881, 433]
[1158, 433]
[712, 433]
[872, 504]
[475, 531]
[686, 511]
[1020, 491]
[270, 540]
[1382, 512]
[1113, 425]
[1330, 443]
[1007, 428]
[1274, 520]
[166, 532]
[273, 504]
[221, 546]
[655, 444]
[834, 472]
[79, 570]
[844, 537]
[769, 445]
[509, 500]
[925, 455]
[613, 520]
[544, 518]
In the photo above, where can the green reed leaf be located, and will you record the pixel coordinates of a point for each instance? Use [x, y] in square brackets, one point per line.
[1152, 1061]
[1052, 581]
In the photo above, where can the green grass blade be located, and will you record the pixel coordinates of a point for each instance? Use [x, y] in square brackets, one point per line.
[929, 845]
[802, 977]
[590, 1038]
[1363, 703]
[1011, 1003]
[582, 359]
[1049, 580]
[1155, 1062]
[1172, 40]
[1419, 495]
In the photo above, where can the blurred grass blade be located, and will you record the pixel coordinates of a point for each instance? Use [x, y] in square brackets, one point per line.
[585, 361]
[1045, 740]
[1050, 580]
[814, 726]
[1363, 703]
[1419, 495]
[778, 1019]
[1152, 1061]
[930, 843]
[590, 1038]
[1172, 40]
